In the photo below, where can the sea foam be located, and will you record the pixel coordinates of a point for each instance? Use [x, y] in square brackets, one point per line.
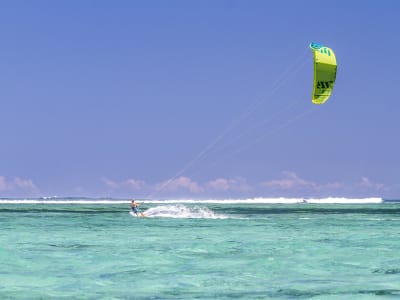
[182, 211]
[280, 200]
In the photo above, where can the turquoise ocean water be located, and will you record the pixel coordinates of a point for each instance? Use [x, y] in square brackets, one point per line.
[69, 249]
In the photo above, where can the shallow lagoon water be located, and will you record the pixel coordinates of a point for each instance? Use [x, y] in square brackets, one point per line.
[200, 251]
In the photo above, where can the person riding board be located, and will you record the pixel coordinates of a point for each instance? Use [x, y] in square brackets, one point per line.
[135, 208]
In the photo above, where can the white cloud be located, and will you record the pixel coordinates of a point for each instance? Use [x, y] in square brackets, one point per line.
[134, 184]
[128, 183]
[226, 184]
[17, 185]
[292, 182]
[181, 183]
[289, 181]
[367, 183]
[110, 183]
[24, 184]
[219, 184]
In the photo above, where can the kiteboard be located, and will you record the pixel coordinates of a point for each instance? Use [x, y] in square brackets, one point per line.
[135, 215]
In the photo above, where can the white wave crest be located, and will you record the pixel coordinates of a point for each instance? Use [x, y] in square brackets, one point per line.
[335, 200]
[280, 200]
[182, 211]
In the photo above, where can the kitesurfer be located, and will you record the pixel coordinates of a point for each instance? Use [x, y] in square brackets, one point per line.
[135, 208]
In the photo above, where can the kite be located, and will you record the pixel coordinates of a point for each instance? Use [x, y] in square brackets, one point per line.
[324, 72]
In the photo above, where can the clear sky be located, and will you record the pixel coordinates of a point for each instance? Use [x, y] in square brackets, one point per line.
[197, 99]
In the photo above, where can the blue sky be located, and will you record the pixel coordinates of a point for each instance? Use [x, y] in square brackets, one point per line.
[197, 99]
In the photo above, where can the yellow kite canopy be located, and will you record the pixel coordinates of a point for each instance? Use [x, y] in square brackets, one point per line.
[324, 72]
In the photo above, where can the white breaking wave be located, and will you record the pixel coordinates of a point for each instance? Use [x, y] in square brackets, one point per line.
[182, 211]
[345, 200]
[280, 200]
